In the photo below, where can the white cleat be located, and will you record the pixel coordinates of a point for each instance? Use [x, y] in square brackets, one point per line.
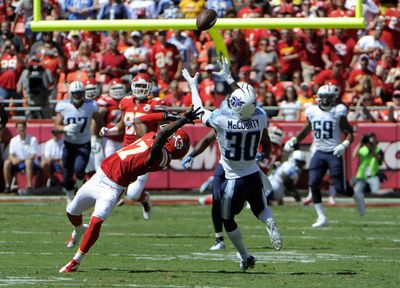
[147, 207]
[219, 245]
[321, 222]
[360, 201]
[331, 201]
[274, 234]
[76, 236]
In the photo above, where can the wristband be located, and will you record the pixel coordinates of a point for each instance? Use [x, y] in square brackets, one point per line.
[346, 143]
[229, 79]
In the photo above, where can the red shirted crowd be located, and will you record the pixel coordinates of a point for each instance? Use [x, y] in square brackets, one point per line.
[285, 66]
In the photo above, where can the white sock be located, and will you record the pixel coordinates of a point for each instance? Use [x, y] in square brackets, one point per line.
[78, 256]
[265, 215]
[219, 234]
[237, 241]
[78, 183]
[70, 194]
[319, 208]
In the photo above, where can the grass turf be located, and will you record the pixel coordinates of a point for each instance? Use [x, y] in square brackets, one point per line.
[171, 250]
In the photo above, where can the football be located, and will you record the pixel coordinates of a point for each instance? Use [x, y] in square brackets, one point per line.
[206, 19]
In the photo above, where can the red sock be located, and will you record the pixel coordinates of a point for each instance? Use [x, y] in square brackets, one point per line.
[143, 197]
[75, 220]
[91, 235]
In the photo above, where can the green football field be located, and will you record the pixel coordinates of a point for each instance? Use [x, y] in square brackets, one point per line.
[171, 250]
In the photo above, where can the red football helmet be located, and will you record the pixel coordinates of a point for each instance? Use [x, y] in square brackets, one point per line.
[92, 90]
[178, 144]
[141, 86]
[117, 88]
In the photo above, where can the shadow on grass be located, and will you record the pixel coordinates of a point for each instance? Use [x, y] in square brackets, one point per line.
[147, 271]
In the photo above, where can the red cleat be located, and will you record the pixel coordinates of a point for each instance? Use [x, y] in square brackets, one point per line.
[72, 266]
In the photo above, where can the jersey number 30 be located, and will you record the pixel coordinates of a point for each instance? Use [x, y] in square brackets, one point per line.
[323, 129]
[242, 150]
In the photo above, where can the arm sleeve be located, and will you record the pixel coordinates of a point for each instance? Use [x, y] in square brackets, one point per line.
[196, 100]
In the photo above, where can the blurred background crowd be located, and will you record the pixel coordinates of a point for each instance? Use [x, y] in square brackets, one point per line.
[285, 66]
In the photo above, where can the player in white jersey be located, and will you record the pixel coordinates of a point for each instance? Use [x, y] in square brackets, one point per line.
[74, 119]
[240, 128]
[327, 120]
[284, 178]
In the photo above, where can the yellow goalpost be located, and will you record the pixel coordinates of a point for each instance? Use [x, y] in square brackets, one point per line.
[38, 24]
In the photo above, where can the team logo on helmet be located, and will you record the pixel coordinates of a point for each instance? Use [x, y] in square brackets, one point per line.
[178, 142]
[235, 101]
[146, 108]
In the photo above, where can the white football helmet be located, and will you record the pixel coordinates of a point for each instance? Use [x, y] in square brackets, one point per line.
[327, 96]
[242, 101]
[298, 158]
[76, 93]
[117, 89]
[92, 90]
[141, 86]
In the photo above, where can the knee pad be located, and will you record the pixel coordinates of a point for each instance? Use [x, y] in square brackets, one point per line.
[229, 225]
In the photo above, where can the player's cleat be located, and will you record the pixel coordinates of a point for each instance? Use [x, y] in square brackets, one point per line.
[307, 201]
[321, 222]
[76, 235]
[247, 263]
[331, 201]
[147, 207]
[218, 245]
[71, 266]
[274, 234]
[359, 198]
[120, 202]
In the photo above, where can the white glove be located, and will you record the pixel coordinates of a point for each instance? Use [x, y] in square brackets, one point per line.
[95, 144]
[103, 131]
[70, 129]
[224, 71]
[339, 149]
[289, 145]
[108, 131]
[192, 81]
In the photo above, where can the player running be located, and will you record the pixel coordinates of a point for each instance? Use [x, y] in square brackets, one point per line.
[73, 117]
[240, 128]
[327, 120]
[152, 152]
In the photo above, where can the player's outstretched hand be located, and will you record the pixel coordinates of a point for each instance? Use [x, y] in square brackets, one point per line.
[192, 115]
[192, 81]
[172, 116]
[339, 150]
[289, 145]
[187, 162]
[103, 131]
[225, 70]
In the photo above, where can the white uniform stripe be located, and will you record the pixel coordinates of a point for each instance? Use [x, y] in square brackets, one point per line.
[226, 206]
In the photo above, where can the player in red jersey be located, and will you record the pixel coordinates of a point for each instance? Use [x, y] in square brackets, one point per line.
[152, 152]
[139, 107]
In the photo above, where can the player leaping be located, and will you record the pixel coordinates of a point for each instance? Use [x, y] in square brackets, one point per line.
[327, 121]
[152, 152]
[240, 127]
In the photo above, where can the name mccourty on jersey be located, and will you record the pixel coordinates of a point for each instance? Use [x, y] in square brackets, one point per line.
[239, 124]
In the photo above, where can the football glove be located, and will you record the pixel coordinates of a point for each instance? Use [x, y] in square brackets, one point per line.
[339, 149]
[95, 144]
[224, 71]
[192, 81]
[289, 145]
[192, 115]
[187, 162]
[70, 129]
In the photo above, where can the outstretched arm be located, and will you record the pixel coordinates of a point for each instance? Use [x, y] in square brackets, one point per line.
[196, 100]
[290, 144]
[166, 132]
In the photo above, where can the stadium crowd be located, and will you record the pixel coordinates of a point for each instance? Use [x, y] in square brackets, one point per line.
[286, 67]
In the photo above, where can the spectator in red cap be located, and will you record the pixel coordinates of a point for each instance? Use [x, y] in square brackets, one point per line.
[310, 55]
[358, 74]
[393, 114]
[272, 82]
[245, 76]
